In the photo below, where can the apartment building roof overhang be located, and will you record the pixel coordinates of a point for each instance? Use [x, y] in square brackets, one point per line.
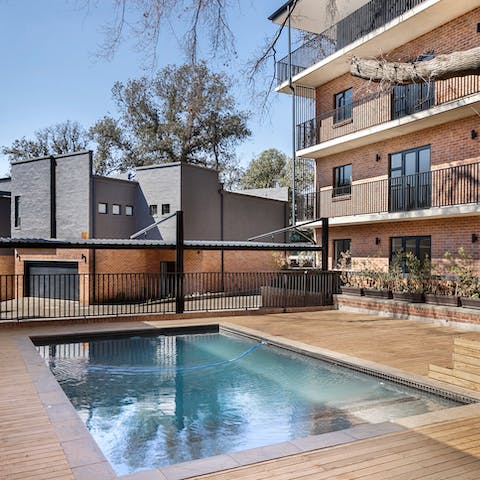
[314, 15]
[113, 244]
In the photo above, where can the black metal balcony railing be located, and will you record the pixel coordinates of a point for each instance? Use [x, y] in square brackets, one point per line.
[459, 185]
[361, 22]
[383, 106]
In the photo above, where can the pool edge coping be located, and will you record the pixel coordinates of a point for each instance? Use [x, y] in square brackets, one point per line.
[61, 412]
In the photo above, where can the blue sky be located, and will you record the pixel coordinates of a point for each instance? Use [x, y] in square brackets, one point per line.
[50, 71]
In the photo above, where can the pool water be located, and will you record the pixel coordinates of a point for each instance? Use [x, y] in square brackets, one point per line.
[156, 400]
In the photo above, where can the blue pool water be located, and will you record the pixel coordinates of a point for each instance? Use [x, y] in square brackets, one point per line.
[156, 400]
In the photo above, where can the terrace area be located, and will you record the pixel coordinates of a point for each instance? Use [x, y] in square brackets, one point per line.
[42, 438]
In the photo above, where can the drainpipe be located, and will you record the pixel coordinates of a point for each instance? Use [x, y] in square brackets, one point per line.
[53, 197]
[292, 90]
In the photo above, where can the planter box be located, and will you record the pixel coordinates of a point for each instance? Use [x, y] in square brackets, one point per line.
[409, 297]
[370, 292]
[447, 300]
[471, 302]
[353, 291]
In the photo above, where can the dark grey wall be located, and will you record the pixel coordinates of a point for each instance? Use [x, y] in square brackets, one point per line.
[158, 184]
[246, 216]
[201, 203]
[73, 195]
[120, 192]
[5, 230]
[31, 181]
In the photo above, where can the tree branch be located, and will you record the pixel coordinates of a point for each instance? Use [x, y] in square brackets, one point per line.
[442, 67]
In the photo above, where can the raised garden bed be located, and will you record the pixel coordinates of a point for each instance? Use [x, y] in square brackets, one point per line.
[408, 297]
[370, 292]
[353, 291]
[446, 300]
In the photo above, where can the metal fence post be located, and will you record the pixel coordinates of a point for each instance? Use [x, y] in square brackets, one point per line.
[179, 293]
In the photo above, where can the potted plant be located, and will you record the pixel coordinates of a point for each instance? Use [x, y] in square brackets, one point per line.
[352, 281]
[442, 288]
[377, 280]
[468, 283]
[410, 287]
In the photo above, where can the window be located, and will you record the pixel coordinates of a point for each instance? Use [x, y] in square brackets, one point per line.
[103, 208]
[116, 209]
[128, 210]
[153, 210]
[342, 180]
[341, 246]
[410, 180]
[17, 211]
[343, 104]
[420, 246]
[165, 208]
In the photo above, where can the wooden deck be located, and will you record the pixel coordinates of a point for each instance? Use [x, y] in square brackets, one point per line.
[448, 450]
[34, 446]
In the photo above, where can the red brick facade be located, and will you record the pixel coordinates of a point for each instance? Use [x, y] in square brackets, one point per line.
[451, 144]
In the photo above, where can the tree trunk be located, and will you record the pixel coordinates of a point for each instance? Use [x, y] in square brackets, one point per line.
[455, 64]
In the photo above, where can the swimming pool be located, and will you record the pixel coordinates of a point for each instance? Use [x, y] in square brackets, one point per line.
[151, 400]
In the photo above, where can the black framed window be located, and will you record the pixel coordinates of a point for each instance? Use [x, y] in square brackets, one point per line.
[410, 179]
[116, 209]
[165, 208]
[343, 104]
[420, 246]
[102, 208]
[128, 210]
[17, 211]
[340, 246]
[153, 210]
[342, 180]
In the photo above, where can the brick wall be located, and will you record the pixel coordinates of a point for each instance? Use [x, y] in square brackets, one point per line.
[450, 144]
[459, 34]
[446, 235]
[7, 267]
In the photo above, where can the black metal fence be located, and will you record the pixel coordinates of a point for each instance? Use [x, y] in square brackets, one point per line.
[361, 22]
[85, 295]
[459, 185]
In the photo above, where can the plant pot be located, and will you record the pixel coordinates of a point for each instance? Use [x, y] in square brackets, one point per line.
[470, 302]
[370, 292]
[408, 297]
[357, 291]
[447, 300]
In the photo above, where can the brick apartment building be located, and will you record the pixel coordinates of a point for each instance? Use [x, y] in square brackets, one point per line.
[397, 167]
[60, 197]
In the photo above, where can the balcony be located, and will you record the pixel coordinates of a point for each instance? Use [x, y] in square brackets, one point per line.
[453, 190]
[379, 115]
[324, 58]
[361, 22]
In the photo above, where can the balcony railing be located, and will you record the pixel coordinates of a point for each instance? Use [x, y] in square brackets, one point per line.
[459, 185]
[366, 19]
[383, 106]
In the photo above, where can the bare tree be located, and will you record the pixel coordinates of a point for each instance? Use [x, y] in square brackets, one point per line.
[144, 20]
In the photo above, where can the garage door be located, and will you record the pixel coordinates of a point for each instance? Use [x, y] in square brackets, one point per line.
[52, 280]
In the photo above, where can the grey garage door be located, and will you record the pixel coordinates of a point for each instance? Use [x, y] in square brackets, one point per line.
[52, 280]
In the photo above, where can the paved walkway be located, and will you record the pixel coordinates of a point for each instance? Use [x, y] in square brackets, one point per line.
[40, 438]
